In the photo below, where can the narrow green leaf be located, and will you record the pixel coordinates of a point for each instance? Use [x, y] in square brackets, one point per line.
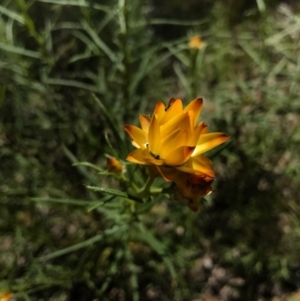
[112, 270]
[261, 5]
[177, 22]
[183, 79]
[84, 244]
[278, 67]
[82, 170]
[11, 14]
[157, 246]
[48, 36]
[155, 63]
[80, 56]
[66, 2]
[133, 277]
[147, 206]
[65, 201]
[115, 193]
[87, 164]
[275, 39]
[253, 54]
[180, 55]
[151, 240]
[81, 3]
[113, 151]
[142, 69]
[112, 125]
[170, 267]
[19, 50]
[105, 49]
[70, 83]
[99, 204]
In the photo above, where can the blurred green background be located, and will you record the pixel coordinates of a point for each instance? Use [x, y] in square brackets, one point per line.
[72, 73]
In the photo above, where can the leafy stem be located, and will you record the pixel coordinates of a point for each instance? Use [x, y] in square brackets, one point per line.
[145, 190]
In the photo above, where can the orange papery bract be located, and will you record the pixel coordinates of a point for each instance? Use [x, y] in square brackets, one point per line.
[191, 188]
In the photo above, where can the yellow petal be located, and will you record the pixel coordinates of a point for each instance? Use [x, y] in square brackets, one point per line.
[173, 141]
[173, 108]
[137, 135]
[202, 160]
[179, 155]
[196, 107]
[180, 122]
[204, 129]
[159, 110]
[197, 166]
[194, 137]
[209, 141]
[137, 157]
[135, 144]
[145, 122]
[154, 136]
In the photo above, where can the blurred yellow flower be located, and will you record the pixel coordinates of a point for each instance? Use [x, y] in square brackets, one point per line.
[114, 166]
[196, 42]
[5, 296]
[173, 141]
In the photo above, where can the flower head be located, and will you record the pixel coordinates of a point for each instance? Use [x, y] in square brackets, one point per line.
[172, 140]
[196, 42]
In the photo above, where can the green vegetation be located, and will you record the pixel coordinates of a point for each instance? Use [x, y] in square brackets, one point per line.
[72, 73]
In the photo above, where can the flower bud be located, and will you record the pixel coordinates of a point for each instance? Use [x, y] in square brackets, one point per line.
[114, 166]
[196, 43]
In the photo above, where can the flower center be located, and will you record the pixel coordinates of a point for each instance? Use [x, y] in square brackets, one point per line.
[157, 157]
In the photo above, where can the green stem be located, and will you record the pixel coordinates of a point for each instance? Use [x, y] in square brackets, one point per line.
[124, 24]
[156, 190]
[145, 190]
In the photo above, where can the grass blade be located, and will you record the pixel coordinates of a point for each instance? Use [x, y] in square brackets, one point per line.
[84, 244]
[11, 14]
[112, 125]
[21, 51]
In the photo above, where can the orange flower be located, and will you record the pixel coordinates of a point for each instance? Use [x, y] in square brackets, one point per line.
[196, 42]
[114, 166]
[173, 141]
[191, 188]
[5, 296]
